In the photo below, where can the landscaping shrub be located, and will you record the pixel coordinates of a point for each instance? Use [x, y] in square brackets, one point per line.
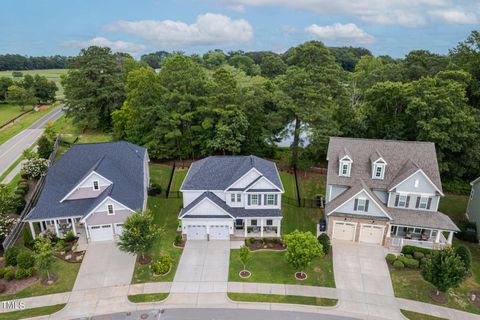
[19, 202]
[25, 259]
[9, 275]
[251, 241]
[411, 263]
[69, 237]
[325, 242]
[412, 249]
[155, 189]
[465, 255]
[27, 237]
[422, 261]
[11, 256]
[31, 272]
[398, 264]
[418, 255]
[391, 258]
[2, 272]
[61, 245]
[409, 256]
[178, 239]
[21, 274]
[264, 241]
[20, 192]
[162, 264]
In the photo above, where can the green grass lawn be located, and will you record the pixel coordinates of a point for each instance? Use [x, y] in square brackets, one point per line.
[302, 219]
[454, 206]
[419, 316]
[312, 185]
[66, 127]
[30, 313]
[275, 298]
[178, 178]
[9, 112]
[288, 181]
[166, 217]
[160, 174]
[148, 297]
[25, 121]
[272, 267]
[66, 272]
[50, 74]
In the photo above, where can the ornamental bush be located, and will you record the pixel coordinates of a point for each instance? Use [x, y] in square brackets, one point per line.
[20, 274]
[465, 255]
[11, 256]
[411, 263]
[178, 239]
[25, 259]
[418, 255]
[163, 264]
[35, 168]
[398, 264]
[2, 272]
[9, 275]
[391, 258]
[31, 272]
[155, 189]
[412, 249]
[325, 242]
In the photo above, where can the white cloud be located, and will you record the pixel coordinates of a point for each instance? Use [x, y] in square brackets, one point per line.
[410, 13]
[455, 16]
[345, 33]
[208, 29]
[117, 46]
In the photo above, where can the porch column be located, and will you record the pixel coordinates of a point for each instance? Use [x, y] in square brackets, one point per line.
[389, 230]
[32, 229]
[450, 237]
[73, 227]
[261, 228]
[278, 227]
[437, 238]
[56, 228]
[245, 225]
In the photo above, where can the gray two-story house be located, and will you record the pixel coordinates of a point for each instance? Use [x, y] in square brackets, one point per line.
[473, 208]
[385, 192]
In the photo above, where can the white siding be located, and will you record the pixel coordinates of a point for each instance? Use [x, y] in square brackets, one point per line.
[263, 184]
[206, 208]
[246, 179]
[88, 183]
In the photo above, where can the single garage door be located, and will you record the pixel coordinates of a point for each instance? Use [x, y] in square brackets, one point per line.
[101, 232]
[118, 228]
[196, 232]
[219, 233]
[370, 233]
[344, 230]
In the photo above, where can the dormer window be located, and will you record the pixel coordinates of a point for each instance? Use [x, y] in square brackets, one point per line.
[345, 167]
[378, 171]
[95, 185]
[110, 209]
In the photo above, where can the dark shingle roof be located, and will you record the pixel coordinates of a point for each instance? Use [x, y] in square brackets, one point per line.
[402, 157]
[422, 218]
[120, 162]
[220, 172]
[235, 212]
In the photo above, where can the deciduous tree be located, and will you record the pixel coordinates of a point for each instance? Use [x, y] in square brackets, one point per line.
[302, 248]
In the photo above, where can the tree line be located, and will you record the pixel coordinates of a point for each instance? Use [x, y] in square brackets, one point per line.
[190, 106]
[19, 62]
[29, 90]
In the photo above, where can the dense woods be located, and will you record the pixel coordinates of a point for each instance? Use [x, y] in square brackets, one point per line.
[189, 106]
[19, 62]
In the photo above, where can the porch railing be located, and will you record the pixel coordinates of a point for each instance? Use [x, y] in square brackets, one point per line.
[400, 242]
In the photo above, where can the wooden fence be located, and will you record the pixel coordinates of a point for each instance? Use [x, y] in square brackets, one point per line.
[15, 119]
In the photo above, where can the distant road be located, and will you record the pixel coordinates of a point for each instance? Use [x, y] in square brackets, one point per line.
[11, 150]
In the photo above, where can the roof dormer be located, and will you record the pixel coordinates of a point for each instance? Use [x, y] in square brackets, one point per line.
[345, 166]
[378, 169]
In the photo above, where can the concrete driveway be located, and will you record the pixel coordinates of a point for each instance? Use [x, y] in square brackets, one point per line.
[203, 267]
[361, 270]
[104, 265]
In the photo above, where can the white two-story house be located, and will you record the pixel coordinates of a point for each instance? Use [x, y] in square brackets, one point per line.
[385, 192]
[231, 196]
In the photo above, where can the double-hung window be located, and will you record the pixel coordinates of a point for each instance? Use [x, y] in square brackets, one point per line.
[254, 199]
[239, 197]
[423, 203]
[236, 197]
[402, 201]
[95, 185]
[361, 205]
[271, 200]
[110, 209]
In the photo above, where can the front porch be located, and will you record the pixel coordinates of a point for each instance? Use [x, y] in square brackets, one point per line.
[257, 228]
[60, 228]
[420, 237]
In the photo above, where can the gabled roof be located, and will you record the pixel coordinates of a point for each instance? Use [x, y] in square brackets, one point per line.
[401, 156]
[120, 162]
[206, 195]
[220, 172]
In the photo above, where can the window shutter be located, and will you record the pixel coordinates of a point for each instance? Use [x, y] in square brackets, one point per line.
[396, 200]
[408, 202]
[265, 199]
[417, 205]
[249, 202]
[276, 199]
[259, 199]
[366, 205]
[355, 205]
[429, 203]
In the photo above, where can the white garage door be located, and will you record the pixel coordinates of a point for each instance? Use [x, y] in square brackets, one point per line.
[370, 233]
[118, 228]
[196, 232]
[344, 230]
[101, 232]
[219, 233]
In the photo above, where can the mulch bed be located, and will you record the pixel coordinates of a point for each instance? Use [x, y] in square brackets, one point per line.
[49, 282]
[72, 257]
[440, 298]
[244, 274]
[300, 275]
[13, 286]
[180, 245]
[270, 245]
[144, 260]
[475, 302]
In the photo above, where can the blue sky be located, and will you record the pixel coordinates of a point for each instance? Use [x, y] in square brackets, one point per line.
[393, 27]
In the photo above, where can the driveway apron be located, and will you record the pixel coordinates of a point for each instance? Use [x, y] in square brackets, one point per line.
[361, 274]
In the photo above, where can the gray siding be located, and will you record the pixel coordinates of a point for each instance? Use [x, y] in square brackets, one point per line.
[373, 209]
[473, 208]
[382, 195]
[424, 186]
[103, 218]
[413, 201]
[336, 191]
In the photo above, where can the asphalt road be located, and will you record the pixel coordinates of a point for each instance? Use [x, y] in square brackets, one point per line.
[217, 314]
[11, 150]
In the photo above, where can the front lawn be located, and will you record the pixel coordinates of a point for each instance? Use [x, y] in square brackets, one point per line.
[271, 267]
[66, 272]
[30, 313]
[165, 213]
[148, 297]
[276, 298]
[419, 316]
[455, 207]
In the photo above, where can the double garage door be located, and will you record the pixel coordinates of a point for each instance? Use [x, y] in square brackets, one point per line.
[369, 233]
[105, 232]
[216, 232]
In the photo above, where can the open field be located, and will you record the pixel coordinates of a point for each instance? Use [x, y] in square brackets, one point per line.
[9, 112]
[50, 74]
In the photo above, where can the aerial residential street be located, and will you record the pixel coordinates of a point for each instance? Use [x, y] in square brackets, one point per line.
[13, 148]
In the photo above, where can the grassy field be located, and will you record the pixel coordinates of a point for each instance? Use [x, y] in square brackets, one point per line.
[312, 185]
[303, 219]
[288, 181]
[454, 206]
[148, 297]
[31, 313]
[178, 178]
[272, 267]
[275, 298]
[66, 272]
[160, 174]
[10, 111]
[50, 74]
[419, 316]
[65, 126]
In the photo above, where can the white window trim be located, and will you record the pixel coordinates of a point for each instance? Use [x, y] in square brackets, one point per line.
[98, 185]
[239, 197]
[423, 202]
[382, 171]
[348, 165]
[364, 204]
[272, 200]
[258, 196]
[113, 209]
[399, 200]
[233, 197]
[472, 193]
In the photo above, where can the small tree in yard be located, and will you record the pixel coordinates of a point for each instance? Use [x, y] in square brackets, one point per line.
[245, 256]
[139, 234]
[44, 254]
[302, 248]
[444, 269]
[465, 255]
